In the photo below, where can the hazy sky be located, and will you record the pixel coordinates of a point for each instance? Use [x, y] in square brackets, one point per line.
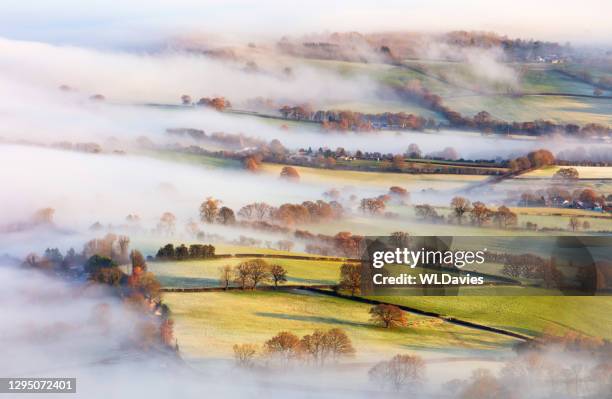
[139, 22]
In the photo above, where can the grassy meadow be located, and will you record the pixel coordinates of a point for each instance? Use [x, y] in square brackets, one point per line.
[528, 315]
[205, 273]
[208, 324]
[383, 180]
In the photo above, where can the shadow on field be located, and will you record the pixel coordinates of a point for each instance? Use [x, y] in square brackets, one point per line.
[313, 319]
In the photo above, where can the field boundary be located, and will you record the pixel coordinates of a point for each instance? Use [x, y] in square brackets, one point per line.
[449, 319]
[286, 287]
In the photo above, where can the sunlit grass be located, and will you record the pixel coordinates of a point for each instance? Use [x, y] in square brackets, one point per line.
[208, 324]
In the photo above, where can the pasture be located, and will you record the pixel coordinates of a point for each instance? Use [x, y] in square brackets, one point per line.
[205, 273]
[208, 324]
[529, 315]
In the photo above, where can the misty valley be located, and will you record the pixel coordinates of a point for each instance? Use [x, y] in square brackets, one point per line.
[187, 209]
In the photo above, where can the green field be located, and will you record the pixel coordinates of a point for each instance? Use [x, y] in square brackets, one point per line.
[584, 172]
[595, 177]
[558, 109]
[381, 180]
[462, 88]
[194, 159]
[208, 324]
[523, 314]
[205, 273]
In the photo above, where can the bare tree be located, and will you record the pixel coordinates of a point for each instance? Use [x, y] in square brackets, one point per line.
[480, 214]
[258, 271]
[338, 344]
[226, 272]
[504, 217]
[460, 207]
[242, 275]
[402, 372]
[279, 274]
[244, 355]
[285, 346]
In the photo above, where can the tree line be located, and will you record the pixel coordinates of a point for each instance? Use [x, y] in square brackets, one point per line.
[183, 252]
[285, 348]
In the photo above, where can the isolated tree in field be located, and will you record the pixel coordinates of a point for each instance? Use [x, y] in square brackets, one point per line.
[388, 316]
[278, 274]
[574, 223]
[209, 210]
[226, 216]
[402, 372]
[285, 346]
[290, 173]
[167, 223]
[350, 277]
[460, 207]
[504, 217]
[186, 99]
[480, 214]
[225, 276]
[566, 174]
[244, 354]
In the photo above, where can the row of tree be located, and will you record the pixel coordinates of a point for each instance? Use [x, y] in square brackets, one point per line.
[319, 348]
[479, 214]
[250, 273]
[183, 252]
